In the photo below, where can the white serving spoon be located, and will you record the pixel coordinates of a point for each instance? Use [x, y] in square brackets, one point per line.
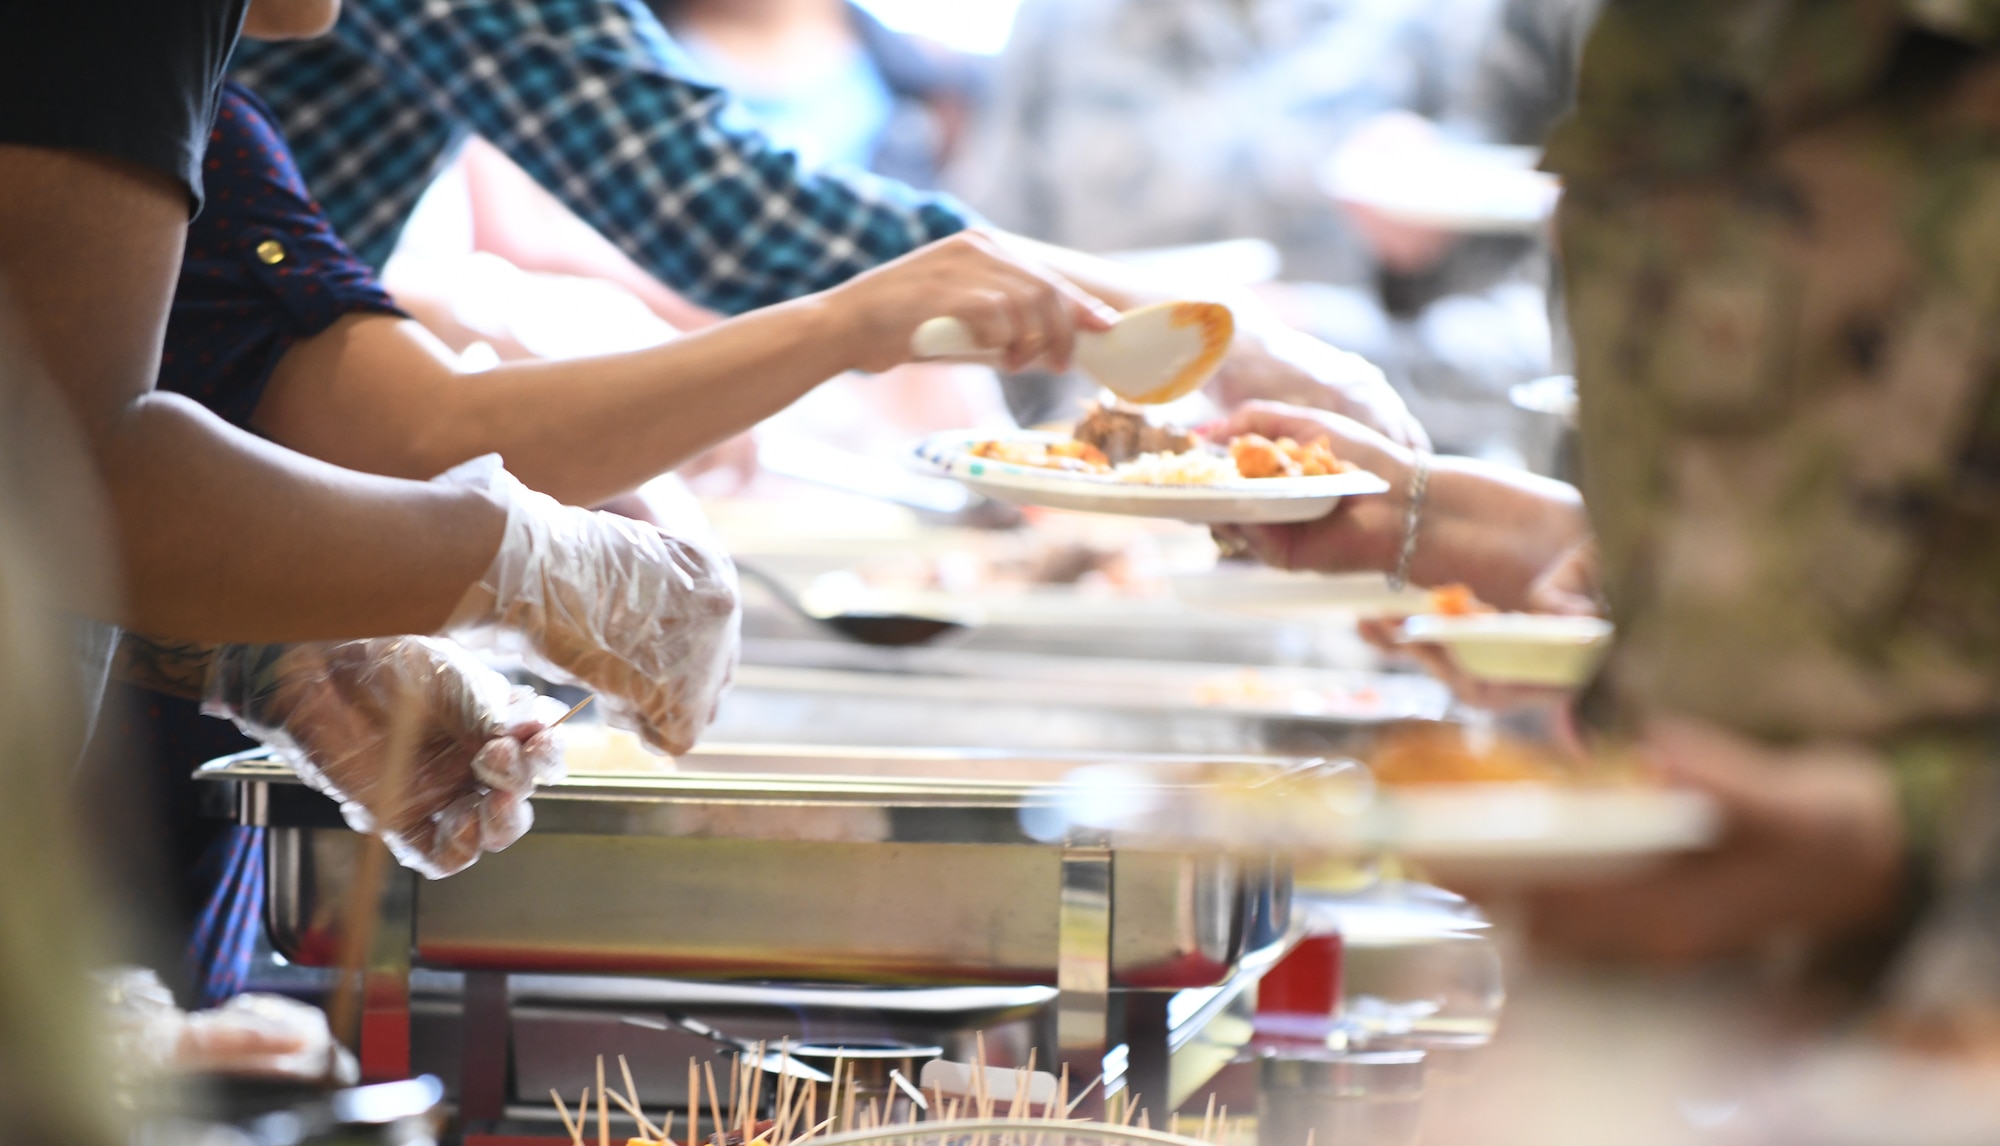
[1150, 355]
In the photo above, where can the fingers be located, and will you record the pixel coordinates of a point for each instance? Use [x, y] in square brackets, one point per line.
[1023, 312]
[989, 314]
[1275, 420]
[504, 818]
[543, 753]
[500, 764]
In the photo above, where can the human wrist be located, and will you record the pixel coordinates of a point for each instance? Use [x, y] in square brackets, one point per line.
[837, 323]
[1415, 486]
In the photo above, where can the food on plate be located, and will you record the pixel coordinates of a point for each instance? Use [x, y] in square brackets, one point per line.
[1074, 456]
[1420, 754]
[1191, 468]
[1123, 435]
[1123, 444]
[1457, 600]
[1249, 688]
[1257, 456]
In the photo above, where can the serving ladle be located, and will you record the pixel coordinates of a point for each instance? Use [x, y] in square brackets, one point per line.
[1151, 355]
[869, 627]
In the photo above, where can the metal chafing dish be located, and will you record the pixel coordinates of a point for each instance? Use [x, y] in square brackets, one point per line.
[822, 864]
[817, 692]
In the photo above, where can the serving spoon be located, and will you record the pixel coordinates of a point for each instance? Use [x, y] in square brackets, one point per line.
[884, 629]
[1150, 355]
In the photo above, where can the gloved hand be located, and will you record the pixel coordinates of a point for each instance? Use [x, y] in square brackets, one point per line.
[421, 743]
[251, 1036]
[644, 618]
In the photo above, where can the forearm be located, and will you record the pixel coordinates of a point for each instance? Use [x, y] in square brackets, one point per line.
[1485, 526]
[1493, 529]
[226, 537]
[369, 395]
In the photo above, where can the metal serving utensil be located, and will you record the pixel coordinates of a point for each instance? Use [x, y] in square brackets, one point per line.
[889, 630]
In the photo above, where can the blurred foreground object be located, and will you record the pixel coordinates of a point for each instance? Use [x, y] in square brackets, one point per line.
[50, 547]
[251, 1036]
[1783, 304]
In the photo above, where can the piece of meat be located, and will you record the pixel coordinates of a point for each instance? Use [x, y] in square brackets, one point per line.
[1125, 434]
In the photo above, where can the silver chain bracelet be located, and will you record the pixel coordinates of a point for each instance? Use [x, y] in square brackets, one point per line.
[1420, 484]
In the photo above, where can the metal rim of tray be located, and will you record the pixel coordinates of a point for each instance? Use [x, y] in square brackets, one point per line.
[749, 787]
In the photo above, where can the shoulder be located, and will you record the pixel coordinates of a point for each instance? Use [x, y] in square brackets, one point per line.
[248, 150]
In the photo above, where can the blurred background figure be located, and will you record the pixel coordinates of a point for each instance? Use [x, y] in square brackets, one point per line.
[1118, 125]
[829, 81]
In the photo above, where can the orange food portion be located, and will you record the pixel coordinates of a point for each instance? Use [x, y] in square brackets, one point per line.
[1072, 455]
[1439, 754]
[1458, 601]
[1257, 456]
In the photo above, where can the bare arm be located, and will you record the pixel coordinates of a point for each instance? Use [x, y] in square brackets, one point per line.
[380, 394]
[376, 394]
[1495, 529]
[222, 536]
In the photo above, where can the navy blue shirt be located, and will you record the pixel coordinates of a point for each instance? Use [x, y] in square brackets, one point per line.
[263, 270]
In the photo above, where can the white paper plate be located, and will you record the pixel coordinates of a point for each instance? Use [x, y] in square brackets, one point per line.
[1261, 592]
[1461, 834]
[1263, 500]
[1536, 833]
[1518, 648]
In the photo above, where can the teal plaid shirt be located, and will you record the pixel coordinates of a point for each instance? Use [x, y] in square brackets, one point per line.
[596, 102]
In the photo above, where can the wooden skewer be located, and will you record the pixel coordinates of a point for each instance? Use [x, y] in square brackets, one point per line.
[714, 1102]
[579, 706]
[575, 1130]
[694, 1103]
[603, 1115]
[646, 1127]
[1208, 1120]
[736, 1092]
[632, 1092]
[782, 1101]
[756, 1067]
[1078, 1100]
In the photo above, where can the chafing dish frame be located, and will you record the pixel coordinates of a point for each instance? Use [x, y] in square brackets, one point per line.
[1090, 998]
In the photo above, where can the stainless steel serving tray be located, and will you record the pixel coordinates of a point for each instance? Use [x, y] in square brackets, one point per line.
[821, 694]
[787, 862]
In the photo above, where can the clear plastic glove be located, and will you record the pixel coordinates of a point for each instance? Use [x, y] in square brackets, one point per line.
[252, 1036]
[477, 746]
[644, 618]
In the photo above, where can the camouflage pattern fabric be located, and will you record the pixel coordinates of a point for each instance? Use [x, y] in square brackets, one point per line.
[1781, 232]
[1785, 286]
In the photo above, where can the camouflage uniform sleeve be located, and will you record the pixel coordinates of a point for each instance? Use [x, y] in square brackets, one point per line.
[1787, 324]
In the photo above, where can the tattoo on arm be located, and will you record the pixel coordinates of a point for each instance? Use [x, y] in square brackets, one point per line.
[177, 668]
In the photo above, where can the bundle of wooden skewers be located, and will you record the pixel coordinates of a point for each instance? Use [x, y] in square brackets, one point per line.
[801, 1112]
